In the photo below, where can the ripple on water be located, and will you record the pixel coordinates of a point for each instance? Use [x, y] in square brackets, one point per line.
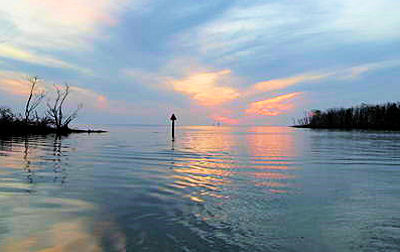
[224, 188]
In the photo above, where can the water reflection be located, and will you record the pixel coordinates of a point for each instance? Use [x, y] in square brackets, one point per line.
[33, 220]
[48, 224]
[205, 165]
[59, 168]
[32, 155]
[272, 151]
[228, 170]
[211, 158]
[216, 188]
[27, 162]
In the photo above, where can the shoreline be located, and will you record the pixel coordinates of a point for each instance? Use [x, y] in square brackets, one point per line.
[339, 128]
[45, 131]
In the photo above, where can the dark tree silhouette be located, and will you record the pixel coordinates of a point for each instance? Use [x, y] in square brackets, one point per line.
[55, 111]
[34, 100]
[384, 116]
[55, 119]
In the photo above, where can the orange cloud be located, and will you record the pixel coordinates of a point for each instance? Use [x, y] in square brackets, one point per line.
[205, 88]
[271, 85]
[274, 106]
[14, 87]
[15, 83]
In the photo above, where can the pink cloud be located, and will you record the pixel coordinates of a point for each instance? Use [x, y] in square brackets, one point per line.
[273, 106]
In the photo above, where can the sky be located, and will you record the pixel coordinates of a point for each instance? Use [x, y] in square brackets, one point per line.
[235, 62]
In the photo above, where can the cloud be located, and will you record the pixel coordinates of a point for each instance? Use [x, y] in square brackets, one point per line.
[90, 98]
[142, 76]
[33, 31]
[206, 88]
[239, 28]
[346, 73]
[273, 106]
[59, 25]
[14, 87]
[367, 20]
[218, 100]
[16, 83]
[263, 28]
[12, 52]
[278, 84]
[209, 90]
[357, 71]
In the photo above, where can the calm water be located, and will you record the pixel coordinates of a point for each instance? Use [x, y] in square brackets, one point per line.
[215, 189]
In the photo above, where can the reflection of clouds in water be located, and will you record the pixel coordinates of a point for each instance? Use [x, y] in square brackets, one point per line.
[274, 143]
[220, 172]
[270, 175]
[207, 164]
[38, 222]
[271, 150]
[64, 228]
[35, 154]
[62, 236]
[17, 151]
[212, 157]
[205, 178]
[108, 232]
[37, 225]
[256, 166]
[206, 139]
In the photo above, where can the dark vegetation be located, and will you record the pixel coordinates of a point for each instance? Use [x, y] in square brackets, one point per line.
[54, 120]
[375, 117]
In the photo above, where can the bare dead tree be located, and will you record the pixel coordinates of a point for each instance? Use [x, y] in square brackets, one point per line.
[55, 111]
[34, 100]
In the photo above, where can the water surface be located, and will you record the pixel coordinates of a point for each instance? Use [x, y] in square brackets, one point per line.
[215, 188]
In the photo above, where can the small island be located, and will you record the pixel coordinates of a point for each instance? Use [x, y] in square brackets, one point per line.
[373, 117]
[54, 120]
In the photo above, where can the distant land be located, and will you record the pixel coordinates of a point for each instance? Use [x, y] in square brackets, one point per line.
[365, 116]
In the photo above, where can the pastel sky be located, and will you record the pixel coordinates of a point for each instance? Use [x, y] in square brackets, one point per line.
[237, 62]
